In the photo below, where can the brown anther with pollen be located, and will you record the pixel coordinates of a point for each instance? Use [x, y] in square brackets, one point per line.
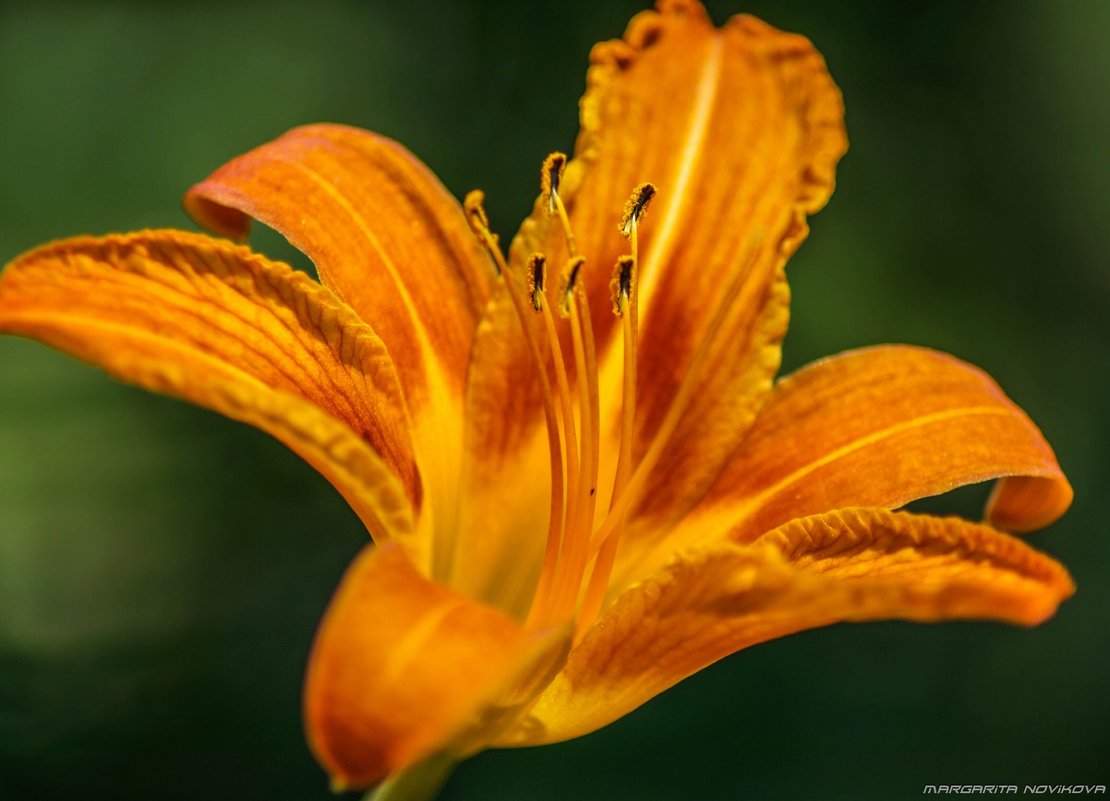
[622, 282]
[569, 284]
[635, 208]
[537, 278]
[550, 176]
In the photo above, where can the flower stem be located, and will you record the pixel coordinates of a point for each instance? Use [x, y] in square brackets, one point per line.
[421, 782]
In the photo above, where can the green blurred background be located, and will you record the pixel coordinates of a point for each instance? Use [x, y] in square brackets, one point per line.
[162, 570]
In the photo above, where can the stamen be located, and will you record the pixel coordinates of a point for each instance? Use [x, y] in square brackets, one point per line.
[476, 217]
[547, 607]
[474, 205]
[576, 545]
[569, 284]
[550, 176]
[683, 396]
[623, 289]
[537, 278]
[620, 286]
[623, 286]
[574, 441]
[636, 207]
[634, 211]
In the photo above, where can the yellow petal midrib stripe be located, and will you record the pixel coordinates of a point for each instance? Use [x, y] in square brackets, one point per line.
[753, 502]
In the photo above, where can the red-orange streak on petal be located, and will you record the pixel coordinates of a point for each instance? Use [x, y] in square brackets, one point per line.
[381, 230]
[215, 324]
[881, 427]
[740, 129]
[853, 565]
[400, 667]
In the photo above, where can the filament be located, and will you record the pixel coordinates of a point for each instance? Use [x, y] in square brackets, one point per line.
[576, 546]
[555, 441]
[677, 409]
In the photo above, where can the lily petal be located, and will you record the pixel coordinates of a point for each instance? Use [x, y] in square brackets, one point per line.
[392, 242]
[740, 129]
[883, 426]
[854, 565]
[879, 426]
[380, 228]
[215, 324]
[403, 667]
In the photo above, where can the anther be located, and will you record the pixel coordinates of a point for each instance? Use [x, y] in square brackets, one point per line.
[474, 205]
[478, 220]
[537, 278]
[621, 285]
[569, 284]
[635, 208]
[550, 176]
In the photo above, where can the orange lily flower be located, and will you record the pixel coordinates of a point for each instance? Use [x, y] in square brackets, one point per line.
[573, 509]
